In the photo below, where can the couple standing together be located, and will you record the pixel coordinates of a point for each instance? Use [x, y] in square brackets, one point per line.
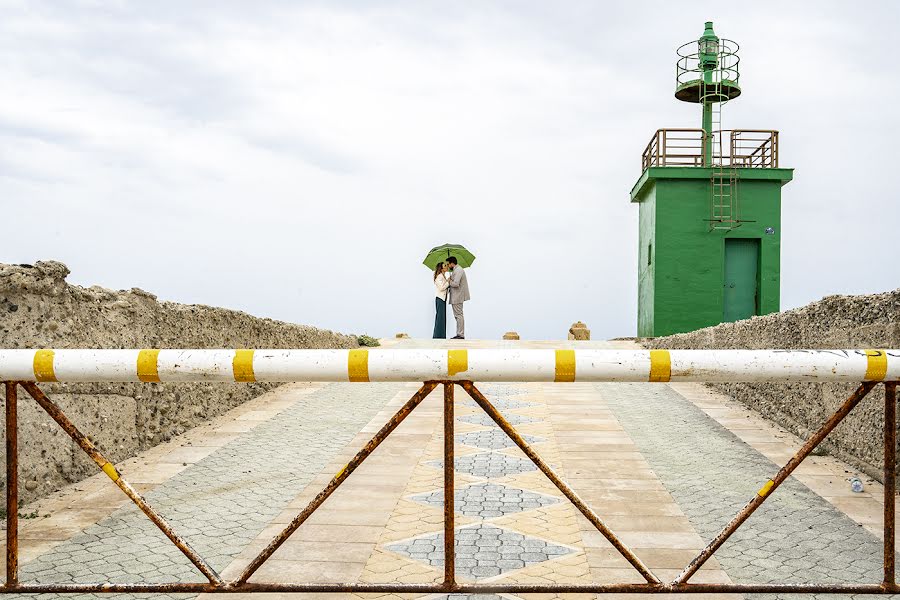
[450, 287]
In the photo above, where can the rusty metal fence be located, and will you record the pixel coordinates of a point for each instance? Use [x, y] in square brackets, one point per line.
[870, 367]
[739, 148]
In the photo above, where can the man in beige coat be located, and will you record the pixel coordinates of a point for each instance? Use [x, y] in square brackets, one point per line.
[459, 293]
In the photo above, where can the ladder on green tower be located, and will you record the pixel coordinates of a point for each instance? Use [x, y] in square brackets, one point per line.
[724, 213]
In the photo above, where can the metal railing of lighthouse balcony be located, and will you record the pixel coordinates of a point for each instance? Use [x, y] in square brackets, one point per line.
[738, 148]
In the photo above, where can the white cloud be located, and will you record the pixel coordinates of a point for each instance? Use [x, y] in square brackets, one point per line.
[296, 160]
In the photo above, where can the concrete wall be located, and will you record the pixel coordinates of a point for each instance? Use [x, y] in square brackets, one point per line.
[38, 309]
[871, 321]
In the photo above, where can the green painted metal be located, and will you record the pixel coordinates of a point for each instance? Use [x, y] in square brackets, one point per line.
[708, 55]
[681, 289]
[686, 263]
[740, 292]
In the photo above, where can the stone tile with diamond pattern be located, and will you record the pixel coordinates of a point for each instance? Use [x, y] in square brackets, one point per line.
[488, 500]
[493, 439]
[484, 419]
[482, 550]
[489, 465]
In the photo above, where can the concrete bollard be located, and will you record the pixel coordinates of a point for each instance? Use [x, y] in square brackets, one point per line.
[510, 335]
[579, 331]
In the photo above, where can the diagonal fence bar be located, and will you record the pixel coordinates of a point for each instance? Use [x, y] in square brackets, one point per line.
[771, 485]
[107, 467]
[336, 481]
[583, 508]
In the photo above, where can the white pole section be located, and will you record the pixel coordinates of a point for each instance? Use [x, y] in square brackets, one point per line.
[563, 365]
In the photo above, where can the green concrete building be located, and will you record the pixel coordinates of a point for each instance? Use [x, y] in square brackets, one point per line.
[710, 207]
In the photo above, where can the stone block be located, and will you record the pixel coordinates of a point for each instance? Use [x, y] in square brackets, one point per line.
[579, 331]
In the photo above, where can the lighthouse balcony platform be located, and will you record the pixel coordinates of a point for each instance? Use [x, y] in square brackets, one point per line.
[738, 148]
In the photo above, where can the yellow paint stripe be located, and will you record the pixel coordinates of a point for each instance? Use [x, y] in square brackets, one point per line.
[110, 470]
[358, 365]
[43, 366]
[243, 365]
[565, 365]
[457, 362]
[660, 365]
[876, 367]
[148, 366]
[764, 490]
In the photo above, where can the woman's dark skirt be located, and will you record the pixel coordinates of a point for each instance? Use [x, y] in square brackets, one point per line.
[440, 319]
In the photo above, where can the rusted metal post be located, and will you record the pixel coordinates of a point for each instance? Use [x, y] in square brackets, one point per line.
[12, 485]
[336, 481]
[890, 482]
[449, 493]
[776, 481]
[107, 467]
[591, 516]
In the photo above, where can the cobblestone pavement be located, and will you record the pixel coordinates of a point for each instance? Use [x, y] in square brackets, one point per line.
[489, 500]
[482, 550]
[220, 503]
[795, 537]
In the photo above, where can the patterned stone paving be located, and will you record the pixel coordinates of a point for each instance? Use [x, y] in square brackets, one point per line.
[482, 550]
[218, 504]
[487, 500]
[488, 465]
[515, 532]
[481, 418]
[493, 439]
[468, 597]
[502, 404]
[795, 537]
[501, 390]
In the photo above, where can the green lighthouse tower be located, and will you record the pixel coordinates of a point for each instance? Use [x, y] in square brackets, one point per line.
[710, 206]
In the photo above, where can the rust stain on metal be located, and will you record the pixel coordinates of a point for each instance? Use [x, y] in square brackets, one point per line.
[12, 484]
[890, 482]
[449, 493]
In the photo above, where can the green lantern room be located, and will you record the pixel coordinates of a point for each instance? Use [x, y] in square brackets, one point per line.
[710, 206]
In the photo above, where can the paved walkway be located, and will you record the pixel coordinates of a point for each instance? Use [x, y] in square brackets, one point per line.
[664, 465]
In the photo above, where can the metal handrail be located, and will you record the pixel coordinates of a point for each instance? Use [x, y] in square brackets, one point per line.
[742, 148]
[447, 369]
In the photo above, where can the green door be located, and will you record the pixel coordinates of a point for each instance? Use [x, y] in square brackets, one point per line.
[741, 277]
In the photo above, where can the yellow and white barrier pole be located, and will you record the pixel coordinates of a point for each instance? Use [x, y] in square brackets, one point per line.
[481, 365]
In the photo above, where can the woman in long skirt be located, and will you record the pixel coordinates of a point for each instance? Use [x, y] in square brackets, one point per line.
[441, 285]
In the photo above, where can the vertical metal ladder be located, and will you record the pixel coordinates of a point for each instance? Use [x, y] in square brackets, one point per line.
[723, 205]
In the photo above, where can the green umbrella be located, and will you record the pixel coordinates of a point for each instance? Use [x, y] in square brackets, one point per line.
[445, 251]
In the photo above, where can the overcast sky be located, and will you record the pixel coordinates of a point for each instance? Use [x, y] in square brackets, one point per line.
[297, 159]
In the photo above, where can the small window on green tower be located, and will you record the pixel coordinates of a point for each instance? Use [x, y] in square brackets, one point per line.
[649, 253]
